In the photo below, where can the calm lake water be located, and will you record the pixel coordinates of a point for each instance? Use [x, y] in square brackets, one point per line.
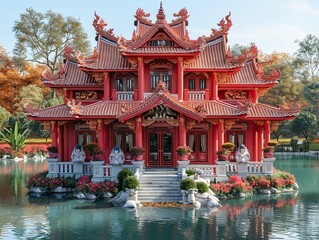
[290, 216]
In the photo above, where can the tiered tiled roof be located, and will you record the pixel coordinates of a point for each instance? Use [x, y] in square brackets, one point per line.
[109, 57]
[263, 111]
[73, 77]
[54, 113]
[212, 57]
[247, 76]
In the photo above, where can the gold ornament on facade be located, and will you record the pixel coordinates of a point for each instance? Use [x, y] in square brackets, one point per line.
[60, 123]
[93, 124]
[107, 121]
[131, 124]
[46, 125]
[228, 124]
[222, 77]
[133, 62]
[85, 95]
[233, 94]
[260, 123]
[190, 124]
[98, 77]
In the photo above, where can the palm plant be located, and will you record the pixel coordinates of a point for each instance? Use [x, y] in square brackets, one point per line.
[15, 137]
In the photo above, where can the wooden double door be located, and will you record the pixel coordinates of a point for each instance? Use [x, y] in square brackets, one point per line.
[160, 148]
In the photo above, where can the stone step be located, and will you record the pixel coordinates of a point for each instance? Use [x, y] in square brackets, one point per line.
[157, 199]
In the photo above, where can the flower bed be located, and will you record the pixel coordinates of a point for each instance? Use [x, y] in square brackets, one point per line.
[236, 186]
[41, 184]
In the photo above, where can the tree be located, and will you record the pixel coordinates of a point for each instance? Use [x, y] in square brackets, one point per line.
[283, 130]
[305, 123]
[307, 58]
[311, 93]
[31, 94]
[287, 90]
[43, 36]
[4, 117]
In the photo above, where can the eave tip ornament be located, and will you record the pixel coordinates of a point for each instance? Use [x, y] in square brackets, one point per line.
[98, 23]
[74, 108]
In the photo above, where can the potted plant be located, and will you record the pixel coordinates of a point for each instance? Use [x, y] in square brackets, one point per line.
[268, 152]
[183, 152]
[52, 151]
[228, 146]
[222, 155]
[137, 153]
[90, 150]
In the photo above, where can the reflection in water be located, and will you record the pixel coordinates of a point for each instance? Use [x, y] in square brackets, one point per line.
[289, 216]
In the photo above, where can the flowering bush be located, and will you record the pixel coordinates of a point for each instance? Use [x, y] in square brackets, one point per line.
[96, 188]
[236, 184]
[49, 184]
[184, 150]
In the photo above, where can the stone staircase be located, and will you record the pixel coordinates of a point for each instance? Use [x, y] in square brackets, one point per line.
[159, 185]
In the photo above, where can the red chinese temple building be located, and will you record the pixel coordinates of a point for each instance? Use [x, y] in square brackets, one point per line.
[161, 90]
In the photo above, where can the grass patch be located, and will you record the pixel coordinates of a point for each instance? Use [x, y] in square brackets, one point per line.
[314, 147]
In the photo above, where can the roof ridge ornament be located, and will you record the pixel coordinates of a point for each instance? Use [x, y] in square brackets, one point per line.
[161, 15]
[142, 16]
[274, 75]
[182, 15]
[245, 105]
[74, 107]
[48, 75]
[98, 23]
[224, 24]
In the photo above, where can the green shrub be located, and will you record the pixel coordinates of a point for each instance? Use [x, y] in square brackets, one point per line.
[190, 172]
[130, 182]
[188, 183]
[202, 187]
[123, 174]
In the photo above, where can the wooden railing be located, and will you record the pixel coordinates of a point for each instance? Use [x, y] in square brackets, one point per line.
[196, 95]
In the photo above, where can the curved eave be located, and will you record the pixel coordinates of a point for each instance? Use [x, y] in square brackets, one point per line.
[225, 86]
[95, 70]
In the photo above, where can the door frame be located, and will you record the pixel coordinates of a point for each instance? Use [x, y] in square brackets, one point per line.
[160, 132]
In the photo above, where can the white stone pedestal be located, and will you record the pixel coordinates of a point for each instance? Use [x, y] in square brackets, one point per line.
[78, 169]
[97, 171]
[268, 165]
[182, 165]
[138, 165]
[53, 167]
[242, 169]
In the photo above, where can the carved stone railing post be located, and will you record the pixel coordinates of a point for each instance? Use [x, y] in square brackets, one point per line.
[53, 167]
[242, 169]
[268, 166]
[97, 171]
[78, 169]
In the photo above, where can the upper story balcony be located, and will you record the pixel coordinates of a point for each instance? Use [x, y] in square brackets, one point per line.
[196, 95]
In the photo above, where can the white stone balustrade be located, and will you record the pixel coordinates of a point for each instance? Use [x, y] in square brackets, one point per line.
[121, 95]
[196, 95]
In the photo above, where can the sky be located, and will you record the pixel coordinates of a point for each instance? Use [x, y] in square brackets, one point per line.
[273, 25]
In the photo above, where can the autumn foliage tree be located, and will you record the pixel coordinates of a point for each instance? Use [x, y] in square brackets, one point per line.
[12, 81]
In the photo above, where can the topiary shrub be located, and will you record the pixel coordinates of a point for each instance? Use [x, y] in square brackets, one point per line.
[122, 175]
[188, 183]
[130, 182]
[190, 172]
[202, 187]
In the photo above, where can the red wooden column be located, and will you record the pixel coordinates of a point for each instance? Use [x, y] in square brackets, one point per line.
[182, 131]
[106, 86]
[260, 142]
[140, 81]
[60, 142]
[138, 132]
[221, 133]
[107, 142]
[215, 146]
[180, 80]
[255, 142]
[100, 132]
[250, 139]
[214, 87]
[66, 154]
[266, 132]
[254, 95]
[54, 133]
